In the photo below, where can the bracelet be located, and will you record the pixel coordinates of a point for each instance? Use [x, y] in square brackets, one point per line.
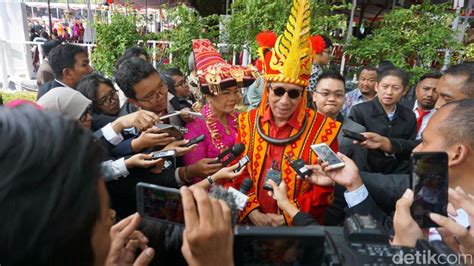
[209, 178]
[185, 177]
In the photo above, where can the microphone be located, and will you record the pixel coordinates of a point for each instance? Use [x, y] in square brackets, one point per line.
[241, 196]
[230, 154]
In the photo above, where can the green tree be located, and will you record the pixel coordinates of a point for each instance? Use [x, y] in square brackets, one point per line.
[189, 25]
[249, 17]
[112, 40]
[410, 38]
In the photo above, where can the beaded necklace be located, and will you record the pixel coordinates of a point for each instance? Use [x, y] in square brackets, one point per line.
[211, 123]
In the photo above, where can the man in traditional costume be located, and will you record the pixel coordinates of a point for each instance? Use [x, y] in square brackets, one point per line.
[282, 127]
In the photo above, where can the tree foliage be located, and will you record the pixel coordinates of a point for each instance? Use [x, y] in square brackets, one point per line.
[112, 39]
[410, 38]
[249, 17]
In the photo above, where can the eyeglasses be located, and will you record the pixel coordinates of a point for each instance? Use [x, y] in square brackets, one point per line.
[326, 94]
[280, 91]
[110, 99]
[163, 90]
[86, 114]
[181, 84]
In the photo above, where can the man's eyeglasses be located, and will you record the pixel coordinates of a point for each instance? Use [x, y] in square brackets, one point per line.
[108, 100]
[280, 91]
[181, 84]
[163, 90]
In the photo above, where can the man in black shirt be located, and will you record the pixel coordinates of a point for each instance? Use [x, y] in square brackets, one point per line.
[391, 127]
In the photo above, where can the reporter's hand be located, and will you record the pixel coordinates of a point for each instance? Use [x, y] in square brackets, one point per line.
[151, 138]
[407, 231]
[203, 167]
[125, 242]
[280, 194]
[141, 160]
[227, 172]
[277, 219]
[141, 120]
[208, 236]
[455, 235]
[318, 176]
[347, 176]
[158, 168]
[260, 219]
[375, 141]
[180, 151]
[184, 114]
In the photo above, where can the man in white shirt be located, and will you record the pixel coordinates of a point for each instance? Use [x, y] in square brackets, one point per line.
[426, 97]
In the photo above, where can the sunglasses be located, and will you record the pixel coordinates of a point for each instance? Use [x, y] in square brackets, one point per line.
[280, 91]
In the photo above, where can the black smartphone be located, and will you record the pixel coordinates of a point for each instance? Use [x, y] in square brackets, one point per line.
[353, 135]
[242, 162]
[299, 165]
[171, 130]
[429, 181]
[159, 203]
[196, 140]
[272, 175]
[279, 245]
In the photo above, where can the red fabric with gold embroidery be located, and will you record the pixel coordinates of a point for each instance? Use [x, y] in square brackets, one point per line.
[307, 197]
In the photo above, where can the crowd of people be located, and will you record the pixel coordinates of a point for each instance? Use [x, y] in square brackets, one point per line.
[73, 158]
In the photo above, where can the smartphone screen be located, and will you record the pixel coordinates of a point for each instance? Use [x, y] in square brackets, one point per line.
[268, 246]
[327, 155]
[160, 203]
[429, 179]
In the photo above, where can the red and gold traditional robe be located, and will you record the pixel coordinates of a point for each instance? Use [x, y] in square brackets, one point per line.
[307, 197]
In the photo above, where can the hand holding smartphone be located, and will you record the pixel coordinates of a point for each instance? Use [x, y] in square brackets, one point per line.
[159, 203]
[429, 181]
[325, 153]
[353, 135]
[196, 140]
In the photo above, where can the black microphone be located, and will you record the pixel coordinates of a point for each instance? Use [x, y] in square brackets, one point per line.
[246, 186]
[229, 155]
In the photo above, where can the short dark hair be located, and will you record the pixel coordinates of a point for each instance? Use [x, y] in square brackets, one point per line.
[89, 85]
[172, 72]
[130, 53]
[462, 120]
[431, 75]
[331, 74]
[465, 69]
[397, 72]
[131, 72]
[384, 64]
[49, 188]
[49, 45]
[367, 68]
[166, 75]
[63, 56]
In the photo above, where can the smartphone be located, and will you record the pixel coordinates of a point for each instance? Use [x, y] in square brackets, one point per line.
[196, 140]
[327, 155]
[272, 175]
[242, 162]
[353, 135]
[169, 154]
[171, 130]
[279, 245]
[429, 181]
[299, 165]
[159, 203]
